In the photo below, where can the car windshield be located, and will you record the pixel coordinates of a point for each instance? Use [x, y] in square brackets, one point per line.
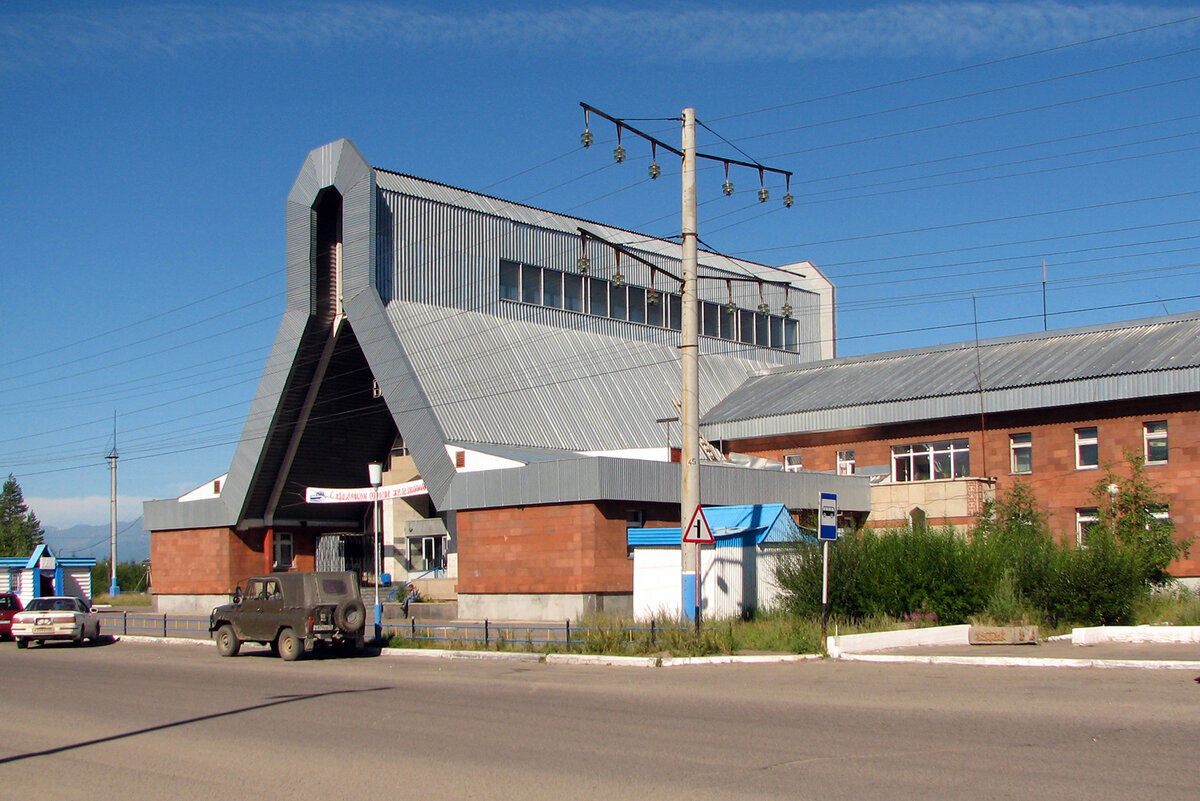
[53, 605]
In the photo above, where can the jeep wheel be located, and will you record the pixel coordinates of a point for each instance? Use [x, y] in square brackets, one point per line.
[290, 647]
[228, 643]
[350, 615]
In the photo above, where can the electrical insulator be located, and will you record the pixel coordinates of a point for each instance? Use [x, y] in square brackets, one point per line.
[619, 154]
[655, 170]
[585, 138]
[727, 187]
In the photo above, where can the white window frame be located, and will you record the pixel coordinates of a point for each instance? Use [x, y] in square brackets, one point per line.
[1152, 436]
[1082, 441]
[1085, 518]
[793, 463]
[958, 452]
[278, 546]
[1018, 446]
[845, 462]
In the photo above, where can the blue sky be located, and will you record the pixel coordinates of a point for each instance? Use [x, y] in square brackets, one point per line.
[941, 151]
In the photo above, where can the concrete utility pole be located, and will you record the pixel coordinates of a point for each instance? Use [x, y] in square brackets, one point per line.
[113, 587]
[689, 413]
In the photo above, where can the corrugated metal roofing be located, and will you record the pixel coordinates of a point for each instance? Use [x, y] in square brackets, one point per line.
[511, 382]
[1156, 356]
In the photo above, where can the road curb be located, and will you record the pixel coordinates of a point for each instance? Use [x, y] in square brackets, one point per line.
[1026, 661]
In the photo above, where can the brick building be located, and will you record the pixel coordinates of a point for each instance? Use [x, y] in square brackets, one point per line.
[939, 430]
[517, 366]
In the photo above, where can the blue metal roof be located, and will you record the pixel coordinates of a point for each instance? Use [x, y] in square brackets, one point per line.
[731, 526]
[31, 561]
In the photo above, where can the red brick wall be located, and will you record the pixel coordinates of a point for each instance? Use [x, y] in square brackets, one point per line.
[1058, 485]
[213, 561]
[559, 548]
[207, 561]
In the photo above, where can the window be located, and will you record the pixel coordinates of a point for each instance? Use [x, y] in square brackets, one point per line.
[776, 332]
[552, 291]
[618, 302]
[531, 283]
[1020, 448]
[793, 463]
[573, 292]
[931, 460]
[634, 518]
[710, 324]
[1154, 436]
[654, 310]
[728, 323]
[676, 309]
[599, 297]
[747, 326]
[637, 304]
[1087, 448]
[283, 550]
[510, 280]
[791, 330]
[845, 463]
[1084, 520]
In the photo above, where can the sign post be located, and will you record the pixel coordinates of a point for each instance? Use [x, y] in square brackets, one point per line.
[696, 534]
[826, 533]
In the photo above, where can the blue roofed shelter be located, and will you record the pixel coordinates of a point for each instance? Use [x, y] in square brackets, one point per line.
[738, 572]
[43, 573]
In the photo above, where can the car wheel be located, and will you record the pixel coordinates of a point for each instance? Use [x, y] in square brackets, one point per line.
[289, 645]
[22, 642]
[79, 637]
[96, 632]
[228, 643]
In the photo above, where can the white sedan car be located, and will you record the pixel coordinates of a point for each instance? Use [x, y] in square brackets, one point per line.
[55, 618]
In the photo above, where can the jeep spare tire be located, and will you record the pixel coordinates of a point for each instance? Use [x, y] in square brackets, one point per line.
[350, 615]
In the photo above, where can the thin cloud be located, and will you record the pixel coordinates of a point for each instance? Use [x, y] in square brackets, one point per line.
[964, 30]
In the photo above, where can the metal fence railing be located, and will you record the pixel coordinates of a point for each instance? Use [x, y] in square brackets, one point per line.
[148, 624]
[487, 634]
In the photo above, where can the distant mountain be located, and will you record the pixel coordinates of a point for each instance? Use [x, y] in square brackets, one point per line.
[133, 544]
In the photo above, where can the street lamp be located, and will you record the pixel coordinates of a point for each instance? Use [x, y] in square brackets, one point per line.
[375, 473]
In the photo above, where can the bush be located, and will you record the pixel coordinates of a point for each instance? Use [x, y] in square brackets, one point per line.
[1008, 570]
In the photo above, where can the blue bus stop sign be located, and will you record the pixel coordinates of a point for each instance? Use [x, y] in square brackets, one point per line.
[829, 510]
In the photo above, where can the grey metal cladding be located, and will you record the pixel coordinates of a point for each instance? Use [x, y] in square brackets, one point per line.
[403, 392]
[509, 382]
[443, 246]
[598, 478]
[165, 515]
[1157, 356]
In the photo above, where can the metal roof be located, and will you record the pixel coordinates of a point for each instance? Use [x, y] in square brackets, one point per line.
[764, 522]
[1155, 356]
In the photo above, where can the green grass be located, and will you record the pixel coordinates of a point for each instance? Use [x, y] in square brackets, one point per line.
[124, 599]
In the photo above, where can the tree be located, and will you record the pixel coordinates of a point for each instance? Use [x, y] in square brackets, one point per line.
[1135, 512]
[20, 531]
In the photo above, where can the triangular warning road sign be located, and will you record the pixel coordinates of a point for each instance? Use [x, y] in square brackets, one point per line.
[697, 529]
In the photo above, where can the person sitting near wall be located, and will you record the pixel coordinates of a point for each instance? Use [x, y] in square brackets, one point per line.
[410, 595]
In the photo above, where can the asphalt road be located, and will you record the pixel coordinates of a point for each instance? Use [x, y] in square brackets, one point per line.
[155, 721]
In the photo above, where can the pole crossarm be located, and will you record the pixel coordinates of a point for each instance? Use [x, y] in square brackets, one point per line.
[622, 125]
[585, 235]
